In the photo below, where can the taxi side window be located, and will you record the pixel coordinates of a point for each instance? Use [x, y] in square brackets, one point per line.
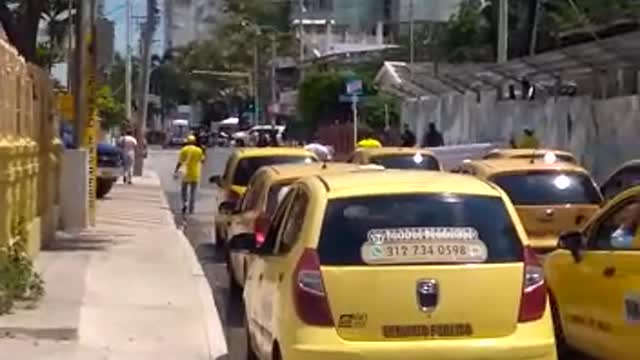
[227, 169]
[293, 224]
[277, 223]
[252, 196]
[618, 229]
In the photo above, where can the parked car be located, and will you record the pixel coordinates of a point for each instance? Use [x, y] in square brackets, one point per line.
[109, 168]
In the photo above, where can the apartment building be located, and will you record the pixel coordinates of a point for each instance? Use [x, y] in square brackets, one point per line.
[186, 21]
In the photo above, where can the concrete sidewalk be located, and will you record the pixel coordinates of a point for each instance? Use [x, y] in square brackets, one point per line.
[130, 288]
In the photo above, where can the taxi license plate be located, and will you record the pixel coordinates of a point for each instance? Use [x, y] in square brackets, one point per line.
[428, 331]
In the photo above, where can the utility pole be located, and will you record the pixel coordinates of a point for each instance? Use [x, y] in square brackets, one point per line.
[127, 77]
[274, 87]
[503, 31]
[411, 32]
[81, 62]
[256, 83]
[69, 45]
[534, 28]
[148, 30]
[301, 31]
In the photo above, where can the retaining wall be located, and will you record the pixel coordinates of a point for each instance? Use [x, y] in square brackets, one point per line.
[602, 133]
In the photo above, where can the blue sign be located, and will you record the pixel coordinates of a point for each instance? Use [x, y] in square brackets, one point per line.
[354, 87]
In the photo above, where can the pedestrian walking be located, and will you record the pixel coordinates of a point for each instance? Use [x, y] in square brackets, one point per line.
[129, 145]
[190, 160]
[408, 137]
[433, 137]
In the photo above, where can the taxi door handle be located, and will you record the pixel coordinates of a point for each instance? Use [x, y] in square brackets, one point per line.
[280, 277]
[609, 271]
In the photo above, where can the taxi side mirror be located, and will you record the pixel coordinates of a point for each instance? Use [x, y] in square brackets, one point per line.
[215, 179]
[245, 241]
[572, 241]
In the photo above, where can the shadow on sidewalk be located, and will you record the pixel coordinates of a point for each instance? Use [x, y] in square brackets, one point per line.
[80, 242]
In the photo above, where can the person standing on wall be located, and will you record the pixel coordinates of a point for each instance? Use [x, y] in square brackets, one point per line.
[128, 144]
[433, 137]
[191, 158]
[408, 137]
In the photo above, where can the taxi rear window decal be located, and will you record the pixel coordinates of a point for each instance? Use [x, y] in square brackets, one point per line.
[418, 245]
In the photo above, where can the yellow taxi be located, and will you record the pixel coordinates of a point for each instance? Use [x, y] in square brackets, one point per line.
[266, 187]
[551, 196]
[396, 264]
[396, 158]
[240, 167]
[539, 154]
[594, 281]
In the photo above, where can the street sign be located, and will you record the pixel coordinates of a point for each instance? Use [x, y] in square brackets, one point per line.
[350, 98]
[64, 105]
[354, 86]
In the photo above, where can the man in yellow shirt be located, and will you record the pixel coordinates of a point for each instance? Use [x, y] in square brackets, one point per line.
[191, 158]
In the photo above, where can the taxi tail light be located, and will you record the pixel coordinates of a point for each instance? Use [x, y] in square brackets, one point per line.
[534, 290]
[260, 228]
[309, 295]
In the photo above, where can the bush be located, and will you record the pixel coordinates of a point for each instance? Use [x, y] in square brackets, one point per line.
[19, 282]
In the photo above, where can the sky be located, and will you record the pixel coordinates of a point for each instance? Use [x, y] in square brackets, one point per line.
[115, 10]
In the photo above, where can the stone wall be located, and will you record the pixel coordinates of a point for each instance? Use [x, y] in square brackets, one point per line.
[602, 133]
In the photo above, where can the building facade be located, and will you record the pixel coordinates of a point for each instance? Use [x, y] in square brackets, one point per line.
[186, 21]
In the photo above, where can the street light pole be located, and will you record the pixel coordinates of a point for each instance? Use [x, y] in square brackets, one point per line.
[274, 95]
[81, 57]
[256, 77]
[503, 30]
[411, 33]
[127, 77]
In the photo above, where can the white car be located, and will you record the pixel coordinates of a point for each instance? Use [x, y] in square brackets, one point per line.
[250, 137]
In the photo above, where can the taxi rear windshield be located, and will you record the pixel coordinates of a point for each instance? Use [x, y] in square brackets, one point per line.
[549, 188]
[350, 222]
[407, 161]
[248, 166]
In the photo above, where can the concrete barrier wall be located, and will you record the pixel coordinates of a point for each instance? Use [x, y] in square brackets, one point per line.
[602, 133]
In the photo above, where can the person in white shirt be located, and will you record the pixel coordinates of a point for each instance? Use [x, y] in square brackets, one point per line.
[324, 153]
[128, 144]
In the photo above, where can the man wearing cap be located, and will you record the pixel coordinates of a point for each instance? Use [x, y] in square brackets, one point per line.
[528, 139]
[191, 158]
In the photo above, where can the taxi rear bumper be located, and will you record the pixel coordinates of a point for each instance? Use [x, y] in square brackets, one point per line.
[531, 341]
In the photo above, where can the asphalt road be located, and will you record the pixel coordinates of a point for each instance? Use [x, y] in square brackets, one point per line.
[199, 230]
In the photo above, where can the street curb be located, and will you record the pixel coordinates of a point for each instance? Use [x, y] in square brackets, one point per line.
[216, 340]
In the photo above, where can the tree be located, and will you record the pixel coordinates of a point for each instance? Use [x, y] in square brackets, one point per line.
[110, 110]
[21, 20]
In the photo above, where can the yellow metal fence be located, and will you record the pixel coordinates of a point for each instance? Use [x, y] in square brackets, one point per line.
[29, 152]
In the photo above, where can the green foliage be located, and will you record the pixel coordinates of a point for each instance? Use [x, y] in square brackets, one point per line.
[19, 282]
[110, 110]
[319, 104]
[318, 99]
